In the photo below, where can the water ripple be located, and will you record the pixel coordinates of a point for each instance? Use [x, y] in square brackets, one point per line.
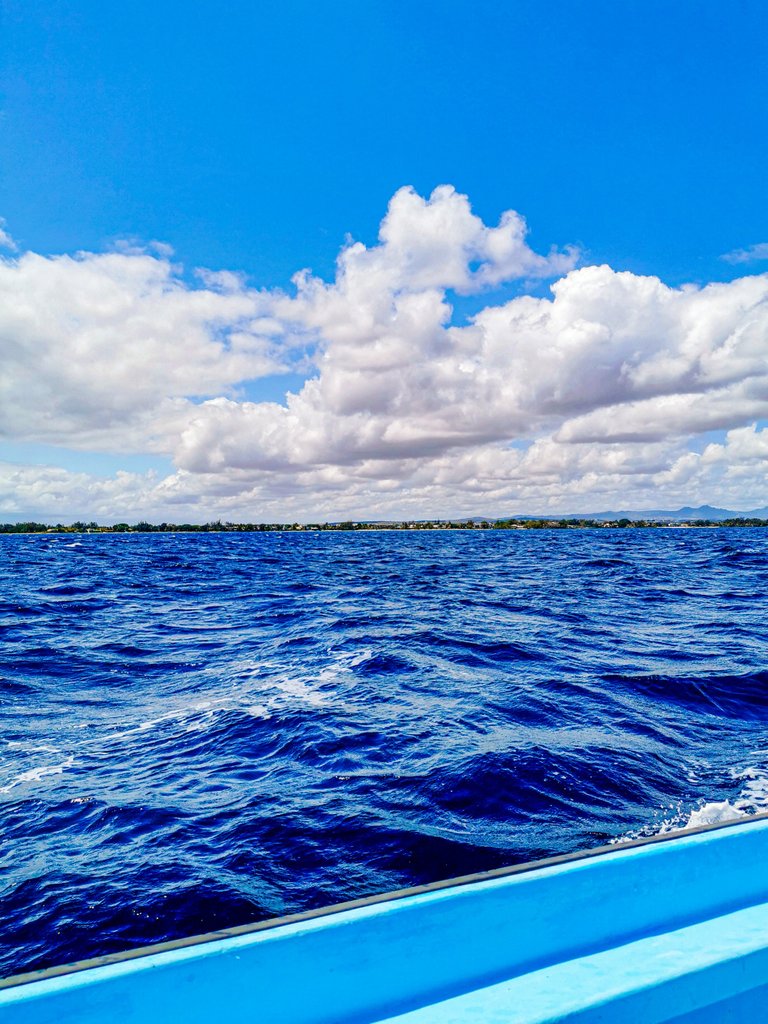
[203, 730]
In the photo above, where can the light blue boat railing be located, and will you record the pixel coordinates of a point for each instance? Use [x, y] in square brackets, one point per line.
[673, 928]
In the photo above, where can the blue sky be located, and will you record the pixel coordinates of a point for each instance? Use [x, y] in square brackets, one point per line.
[256, 138]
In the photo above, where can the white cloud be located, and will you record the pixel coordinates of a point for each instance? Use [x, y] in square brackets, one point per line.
[49, 492]
[6, 242]
[107, 350]
[748, 255]
[611, 357]
[405, 413]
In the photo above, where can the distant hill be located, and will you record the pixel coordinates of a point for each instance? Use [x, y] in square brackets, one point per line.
[684, 514]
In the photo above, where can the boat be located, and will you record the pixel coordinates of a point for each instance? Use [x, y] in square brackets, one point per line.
[670, 928]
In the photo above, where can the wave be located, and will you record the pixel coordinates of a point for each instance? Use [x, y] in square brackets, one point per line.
[203, 730]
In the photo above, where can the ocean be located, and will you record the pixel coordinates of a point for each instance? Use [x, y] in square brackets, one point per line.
[203, 730]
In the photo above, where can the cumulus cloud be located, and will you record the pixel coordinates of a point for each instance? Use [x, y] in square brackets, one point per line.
[610, 357]
[53, 493]
[580, 399]
[107, 350]
[748, 255]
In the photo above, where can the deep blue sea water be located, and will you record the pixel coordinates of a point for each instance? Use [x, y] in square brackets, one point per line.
[204, 730]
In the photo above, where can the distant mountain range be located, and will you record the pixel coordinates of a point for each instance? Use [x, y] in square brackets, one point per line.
[679, 515]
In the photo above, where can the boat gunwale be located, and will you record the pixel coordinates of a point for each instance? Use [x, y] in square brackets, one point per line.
[238, 931]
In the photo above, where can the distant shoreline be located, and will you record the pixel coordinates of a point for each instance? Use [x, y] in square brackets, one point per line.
[397, 526]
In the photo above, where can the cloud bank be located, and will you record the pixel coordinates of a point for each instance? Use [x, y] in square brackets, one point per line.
[604, 392]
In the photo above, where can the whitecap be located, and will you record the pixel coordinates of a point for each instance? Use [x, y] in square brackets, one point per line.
[751, 799]
[40, 748]
[35, 774]
[713, 813]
